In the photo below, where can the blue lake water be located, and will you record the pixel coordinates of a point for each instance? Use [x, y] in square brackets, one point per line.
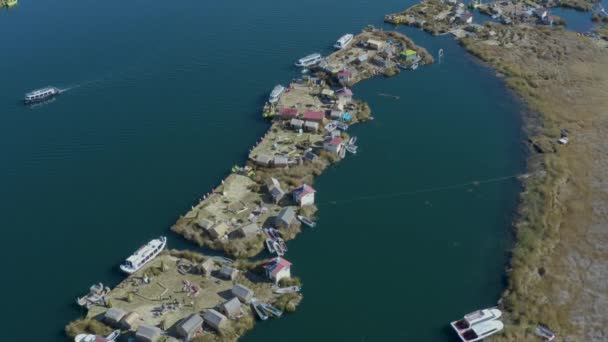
[167, 97]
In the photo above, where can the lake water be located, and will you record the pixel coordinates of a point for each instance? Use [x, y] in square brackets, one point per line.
[165, 97]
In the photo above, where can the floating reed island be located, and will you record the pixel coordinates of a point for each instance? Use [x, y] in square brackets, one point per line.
[308, 133]
[186, 295]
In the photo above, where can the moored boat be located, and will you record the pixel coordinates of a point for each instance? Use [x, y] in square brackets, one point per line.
[344, 41]
[271, 310]
[270, 246]
[96, 338]
[278, 248]
[290, 289]
[276, 93]
[330, 127]
[351, 148]
[257, 307]
[414, 66]
[143, 255]
[40, 95]
[96, 296]
[481, 330]
[307, 221]
[476, 317]
[309, 60]
[544, 332]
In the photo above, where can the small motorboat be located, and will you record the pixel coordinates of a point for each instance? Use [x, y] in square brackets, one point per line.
[307, 221]
[290, 289]
[351, 148]
[342, 126]
[259, 310]
[352, 140]
[275, 234]
[271, 310]
[401, 66]
[481, 330]
[96, 296]
[331, 126]
[270, 246]
[414, 66]
[476, 317]
[544, 332]
[279, 247]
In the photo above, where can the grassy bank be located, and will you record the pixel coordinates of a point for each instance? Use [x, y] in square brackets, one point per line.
[563, 79]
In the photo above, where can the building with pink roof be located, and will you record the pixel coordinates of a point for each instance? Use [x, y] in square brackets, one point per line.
[304, 195]
[313, 116]
[333, 145]
[277, 269]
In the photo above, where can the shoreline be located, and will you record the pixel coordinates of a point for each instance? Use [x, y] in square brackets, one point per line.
[551, 280]
[268, 191]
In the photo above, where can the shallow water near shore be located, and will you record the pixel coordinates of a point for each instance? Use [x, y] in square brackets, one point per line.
[167, 98]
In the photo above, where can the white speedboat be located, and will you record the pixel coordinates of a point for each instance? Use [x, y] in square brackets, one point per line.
[309, 60]
[343, 41]
[414, 66]
[307, 221]
[276, 93]
[476, 317]
[144, 255]
[290, 289]
[95, 338]
[481, 330]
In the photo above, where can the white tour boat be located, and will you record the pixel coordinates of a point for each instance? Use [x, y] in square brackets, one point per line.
[476, 317]
[344, 41]
[481, 330]
[276, 93]
[144, 255]
[309, 60]
[40, 95]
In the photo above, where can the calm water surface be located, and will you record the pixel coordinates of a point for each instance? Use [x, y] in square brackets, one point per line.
[165, 97]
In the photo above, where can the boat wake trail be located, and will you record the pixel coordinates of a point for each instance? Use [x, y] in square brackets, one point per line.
[421, 191]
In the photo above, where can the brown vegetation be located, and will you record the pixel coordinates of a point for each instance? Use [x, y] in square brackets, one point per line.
[562, 230]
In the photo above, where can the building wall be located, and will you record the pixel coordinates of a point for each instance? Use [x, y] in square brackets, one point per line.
[307, 199]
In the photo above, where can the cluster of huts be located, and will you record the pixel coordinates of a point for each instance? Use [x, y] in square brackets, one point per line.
[215, 318]
[516, 12]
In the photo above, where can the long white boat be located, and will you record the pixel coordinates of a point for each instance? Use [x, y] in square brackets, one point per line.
[40, 95]
[481, 330]
[96, 338]
[343, 41]
[276, 93]
[290, 289]
[476, 317]
[309, 60]
[144, 255]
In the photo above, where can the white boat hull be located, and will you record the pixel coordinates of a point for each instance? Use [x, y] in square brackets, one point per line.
[130, 270]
